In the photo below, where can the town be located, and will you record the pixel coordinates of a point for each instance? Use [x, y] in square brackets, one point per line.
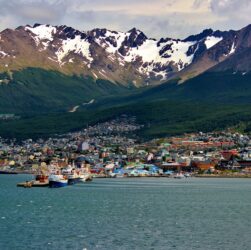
[112, 149]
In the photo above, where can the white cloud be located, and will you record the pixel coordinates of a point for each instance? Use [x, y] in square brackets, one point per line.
[27, 11]
[158, 18]
[235, 13]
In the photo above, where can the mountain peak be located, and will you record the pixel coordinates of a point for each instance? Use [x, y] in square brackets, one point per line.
[36, 25]
[248, 27]
[116, 56]
[134, 31]
[200, 36]
[136, 38]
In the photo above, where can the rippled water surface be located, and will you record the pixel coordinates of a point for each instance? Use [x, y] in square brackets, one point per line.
[145, 213]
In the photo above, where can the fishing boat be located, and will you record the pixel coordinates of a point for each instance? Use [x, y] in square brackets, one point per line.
[85, 178]
[57, 180]
[42, 178]
[73, 178]
[72, 175]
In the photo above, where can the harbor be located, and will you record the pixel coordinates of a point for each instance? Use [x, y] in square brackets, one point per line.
[113, 150]
[56, 178]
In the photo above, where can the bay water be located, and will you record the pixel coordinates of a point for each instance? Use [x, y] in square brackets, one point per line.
[127, 213]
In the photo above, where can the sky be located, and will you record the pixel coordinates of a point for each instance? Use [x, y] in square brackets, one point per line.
[156, 18]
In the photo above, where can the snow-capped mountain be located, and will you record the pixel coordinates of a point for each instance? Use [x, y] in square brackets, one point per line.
[125, 58]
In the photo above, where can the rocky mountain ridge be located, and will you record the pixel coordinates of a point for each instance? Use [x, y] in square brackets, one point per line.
[129, 58]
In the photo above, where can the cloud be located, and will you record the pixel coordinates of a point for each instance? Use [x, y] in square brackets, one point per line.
[158, 18]
[25, 11]
[197, 4]
[229, 5]
[235, 13]
[173, 18]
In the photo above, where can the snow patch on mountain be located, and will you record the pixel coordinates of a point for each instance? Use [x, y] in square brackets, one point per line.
[96, 77]
[178, 53]
[77, 46]
[3, 54]
[42, 32]
[119, 38]
[150, 57]
[212, 40]
[149, 52]
[105, 54]
[105, 41]
[233, 48]
[53, 60]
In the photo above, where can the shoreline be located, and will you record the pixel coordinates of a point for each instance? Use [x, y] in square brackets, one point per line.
[224, 176]
[170, 177]
[248, 176]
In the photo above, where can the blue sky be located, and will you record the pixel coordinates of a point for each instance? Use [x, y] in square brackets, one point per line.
[156, 18]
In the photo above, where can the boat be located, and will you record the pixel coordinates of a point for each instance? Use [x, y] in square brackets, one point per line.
[33, 183]
[85, 178]
[120, 175]
[57, 180]
[27, 184]
[73, 178]
[187, 175]
[179, 176]
[72, 175]
[112, 175]
[42, 178]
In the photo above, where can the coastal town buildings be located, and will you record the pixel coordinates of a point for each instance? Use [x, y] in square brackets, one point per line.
[113, 147]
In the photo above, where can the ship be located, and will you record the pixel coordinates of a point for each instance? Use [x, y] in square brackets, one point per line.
[179, 176]
[57, 180]
[72, 175]
[85, 177]
[73, 178]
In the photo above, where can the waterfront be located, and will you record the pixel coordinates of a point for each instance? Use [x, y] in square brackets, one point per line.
[112, 149]
[127, 213]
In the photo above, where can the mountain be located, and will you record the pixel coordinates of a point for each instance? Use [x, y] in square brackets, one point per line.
[129, 58]
[231, 53]
[211, 101]
[37, 91]
[59, 79]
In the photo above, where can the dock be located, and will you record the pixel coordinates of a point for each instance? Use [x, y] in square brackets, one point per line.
[29, 184]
